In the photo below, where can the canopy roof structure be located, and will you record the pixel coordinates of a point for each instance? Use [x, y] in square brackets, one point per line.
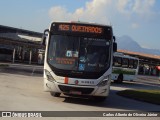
[144, 58]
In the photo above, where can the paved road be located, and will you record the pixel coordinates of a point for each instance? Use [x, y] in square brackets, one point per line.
[24, 92]
[20, 92]
[151, 80]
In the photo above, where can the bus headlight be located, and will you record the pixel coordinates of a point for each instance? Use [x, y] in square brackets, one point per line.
[104, 82]
[49, 76]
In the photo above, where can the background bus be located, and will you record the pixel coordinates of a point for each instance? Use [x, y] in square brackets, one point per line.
[124, 67]
[78, 59]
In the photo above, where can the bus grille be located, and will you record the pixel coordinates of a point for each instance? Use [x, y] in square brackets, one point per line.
[67, 89]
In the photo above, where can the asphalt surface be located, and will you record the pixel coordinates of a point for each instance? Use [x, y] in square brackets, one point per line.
[22, 90]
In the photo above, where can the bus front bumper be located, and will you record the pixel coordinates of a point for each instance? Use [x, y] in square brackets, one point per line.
[77, 89]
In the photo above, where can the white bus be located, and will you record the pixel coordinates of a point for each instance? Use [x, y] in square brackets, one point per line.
[125, 67]
[78, 59]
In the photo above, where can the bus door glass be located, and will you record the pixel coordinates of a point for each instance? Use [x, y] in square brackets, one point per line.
[135, 64]
[125, 62]
[117, 61]
[131, 63]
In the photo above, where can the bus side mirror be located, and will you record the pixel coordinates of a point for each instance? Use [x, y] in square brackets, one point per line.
[44, 37]
[43, 41]
[114, 44]
[114, 47]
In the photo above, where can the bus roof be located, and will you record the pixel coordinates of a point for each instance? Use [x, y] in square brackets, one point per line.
[118, 54]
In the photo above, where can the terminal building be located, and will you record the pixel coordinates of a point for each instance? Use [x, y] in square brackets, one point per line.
[147, 63]
[18, 45]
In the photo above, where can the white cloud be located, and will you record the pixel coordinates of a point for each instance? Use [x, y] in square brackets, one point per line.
[143, 8]
[93, 11]
[102, 11]
[59, 13]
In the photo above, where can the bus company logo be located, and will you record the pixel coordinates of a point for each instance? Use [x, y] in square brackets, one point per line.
[76, 82]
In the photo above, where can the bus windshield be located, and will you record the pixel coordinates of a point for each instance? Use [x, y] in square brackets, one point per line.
[77, 53]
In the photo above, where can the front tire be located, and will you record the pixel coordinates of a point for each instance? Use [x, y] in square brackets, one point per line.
[120, 78]
[55, 94]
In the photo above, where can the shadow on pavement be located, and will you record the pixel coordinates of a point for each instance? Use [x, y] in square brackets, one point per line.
[114, 102]
[22, 71]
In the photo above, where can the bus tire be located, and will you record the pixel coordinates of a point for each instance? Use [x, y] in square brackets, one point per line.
[55, 94]
[120, 78]
[115, 81]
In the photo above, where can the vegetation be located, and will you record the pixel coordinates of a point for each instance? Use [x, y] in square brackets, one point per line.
[151, 96]
[118, 71]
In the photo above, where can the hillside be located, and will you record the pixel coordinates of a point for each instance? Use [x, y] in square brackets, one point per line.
[127, 43]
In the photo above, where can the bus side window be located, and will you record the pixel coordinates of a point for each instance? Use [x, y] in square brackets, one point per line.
[117, 61]
[131, 63]
[135, 64]
[125, 62]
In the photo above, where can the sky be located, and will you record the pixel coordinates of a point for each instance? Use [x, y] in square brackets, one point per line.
[139, 19]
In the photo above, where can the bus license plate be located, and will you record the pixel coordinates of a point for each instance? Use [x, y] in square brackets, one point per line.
[75, 92]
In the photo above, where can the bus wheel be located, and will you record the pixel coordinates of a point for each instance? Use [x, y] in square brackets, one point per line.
[99, 98]
[55, 94]
[120, 78]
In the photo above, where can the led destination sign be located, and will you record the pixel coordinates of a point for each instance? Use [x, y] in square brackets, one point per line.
[80, 28]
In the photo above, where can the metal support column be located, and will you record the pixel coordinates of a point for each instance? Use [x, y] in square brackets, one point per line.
[14, 51]
[23, 53]
[30, 57]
